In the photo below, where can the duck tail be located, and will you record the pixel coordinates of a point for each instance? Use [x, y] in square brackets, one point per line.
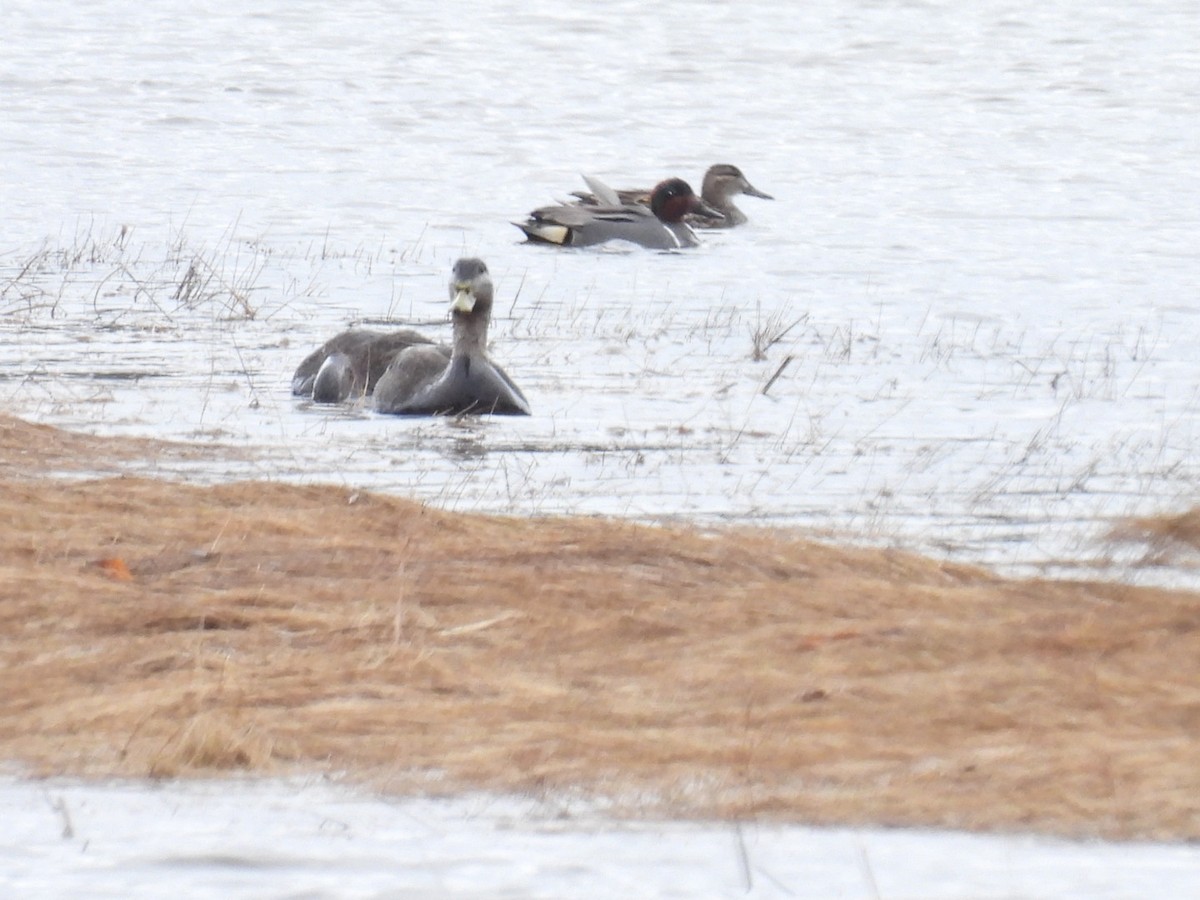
[545, 232]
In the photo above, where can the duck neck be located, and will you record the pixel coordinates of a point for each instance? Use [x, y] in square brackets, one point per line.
[470, 333]
[724, 205]
[733, 215]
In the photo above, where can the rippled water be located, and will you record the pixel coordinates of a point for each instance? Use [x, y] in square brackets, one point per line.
[982, 251]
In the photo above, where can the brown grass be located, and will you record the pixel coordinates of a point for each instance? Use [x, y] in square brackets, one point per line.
[1167, 539]
[28, 450]
[158, 629]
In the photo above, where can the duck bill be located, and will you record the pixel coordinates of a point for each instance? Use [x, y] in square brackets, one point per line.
[464, 299]
[707, 209]
[752, 191]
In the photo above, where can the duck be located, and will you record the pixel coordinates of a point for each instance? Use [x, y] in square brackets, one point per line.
[405, 373]
[722, 182]
[428, 380]
[657, 226]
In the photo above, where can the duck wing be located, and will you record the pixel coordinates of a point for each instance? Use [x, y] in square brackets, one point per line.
[605, 196]
[367, 353]
[578, 216]
[623, 197]
[422, 383]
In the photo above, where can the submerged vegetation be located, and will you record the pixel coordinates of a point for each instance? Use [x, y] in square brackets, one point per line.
[981, 439]
[122, 278]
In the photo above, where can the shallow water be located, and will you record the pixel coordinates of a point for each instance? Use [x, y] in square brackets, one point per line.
[982, 251]
[267, 839]
[981, 263]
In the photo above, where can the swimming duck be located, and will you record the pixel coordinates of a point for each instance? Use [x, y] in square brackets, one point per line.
[407, 374]
[426, 379]
[722, 182]
[659, 226]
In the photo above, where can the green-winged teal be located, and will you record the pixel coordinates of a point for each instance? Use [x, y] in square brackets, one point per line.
[722, 183]
[659, 226]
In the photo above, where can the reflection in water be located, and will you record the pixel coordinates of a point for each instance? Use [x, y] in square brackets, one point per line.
[467, 438]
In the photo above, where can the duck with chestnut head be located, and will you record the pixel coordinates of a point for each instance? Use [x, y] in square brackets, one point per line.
[658, 226]
[722, 182]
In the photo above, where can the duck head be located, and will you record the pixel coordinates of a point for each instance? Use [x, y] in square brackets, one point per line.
[674, 198]
[470, 289]
[725, 180]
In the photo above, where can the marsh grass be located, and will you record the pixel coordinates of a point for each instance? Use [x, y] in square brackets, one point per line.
[732, 672]
[771, 331]
[1165, 540]
[118, 278]
[233, 279]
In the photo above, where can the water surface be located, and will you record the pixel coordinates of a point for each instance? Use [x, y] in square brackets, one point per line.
[271, 839]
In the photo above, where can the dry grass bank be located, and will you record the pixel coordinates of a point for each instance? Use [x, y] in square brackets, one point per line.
[31, 451]
[1171, 540]
[149, 628]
